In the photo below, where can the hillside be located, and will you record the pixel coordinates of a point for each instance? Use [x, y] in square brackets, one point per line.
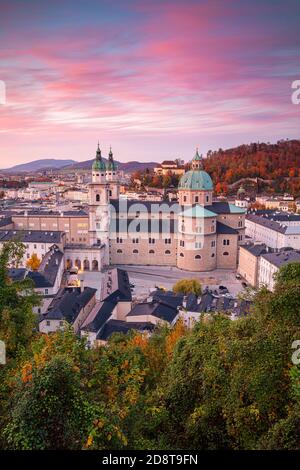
[41, 164]
[278, 164]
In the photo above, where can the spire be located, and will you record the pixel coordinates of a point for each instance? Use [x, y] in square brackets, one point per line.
[110, 154]
[98, 152]
[197, 163]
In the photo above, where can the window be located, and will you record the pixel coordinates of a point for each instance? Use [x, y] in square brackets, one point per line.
[212, 255]
[196, 198]
[198, 245]
[110, 192]
[182, 255]
[97, 197]
[135, 251]
[197, 257]
[198, 229]
[167, 252]
[135, 240]
[152, 241]
[225, 253]
[240, 238]
[34, 246]
[119, 251]
[137, 214]
[151, 252]
[207, 198]
[167, 241]
[213, 244]
[119, 240]
[181, 243]
[225, 242]
[48, 323]
[184, 198]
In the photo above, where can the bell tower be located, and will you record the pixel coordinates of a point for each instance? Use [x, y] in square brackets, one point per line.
[99, 205]
[112, 177]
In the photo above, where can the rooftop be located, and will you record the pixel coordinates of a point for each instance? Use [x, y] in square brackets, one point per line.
[283, 257]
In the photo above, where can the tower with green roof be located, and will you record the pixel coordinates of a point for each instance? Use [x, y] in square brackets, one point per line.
[195, 186]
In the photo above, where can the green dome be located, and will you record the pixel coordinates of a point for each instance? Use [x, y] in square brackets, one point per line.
[196, 180]
[111, 165]
[98, 165]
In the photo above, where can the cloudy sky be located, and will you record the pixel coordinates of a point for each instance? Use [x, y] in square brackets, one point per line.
[153, 78]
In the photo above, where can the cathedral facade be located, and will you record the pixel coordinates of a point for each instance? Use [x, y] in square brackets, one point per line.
[193, 234]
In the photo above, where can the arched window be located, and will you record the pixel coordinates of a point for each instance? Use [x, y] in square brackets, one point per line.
[119, 251]
[167, 252]
[86, 265]
[135, 251]
[95, 265]
[225, 253]
[151, 252]
[182, 255]
[197, 257]
[97, 197]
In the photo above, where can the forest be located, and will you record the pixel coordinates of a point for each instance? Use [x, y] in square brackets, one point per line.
[221, 385]
[276, 165]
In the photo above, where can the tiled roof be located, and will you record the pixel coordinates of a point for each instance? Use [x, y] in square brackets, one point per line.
[68, 303]
[119, 326]
[225, 229]
[31, 236]
[283, 257]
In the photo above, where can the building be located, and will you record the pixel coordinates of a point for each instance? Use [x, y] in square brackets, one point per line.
[195, 233]
[270, 263]
[249, 259]
[241, 200]
[275, 234]
[71, 305]
[169, 167]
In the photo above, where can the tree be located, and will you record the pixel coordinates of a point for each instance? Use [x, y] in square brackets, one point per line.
[17, 299]
[33, 262]
[187, 286]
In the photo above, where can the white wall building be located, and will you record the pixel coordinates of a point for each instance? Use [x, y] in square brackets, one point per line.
[274, 234]
[270, 263]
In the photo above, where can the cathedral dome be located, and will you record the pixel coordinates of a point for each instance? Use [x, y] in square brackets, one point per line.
[196, 179]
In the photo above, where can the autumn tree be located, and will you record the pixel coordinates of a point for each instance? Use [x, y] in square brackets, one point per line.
[33, 262]
[187, 286]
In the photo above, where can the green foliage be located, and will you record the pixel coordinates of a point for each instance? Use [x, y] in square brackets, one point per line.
[188, 286]
[17, 299]
[222, 385]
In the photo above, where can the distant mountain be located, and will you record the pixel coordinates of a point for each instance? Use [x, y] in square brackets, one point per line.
[55, 164]
[42, 164]
[127, 167]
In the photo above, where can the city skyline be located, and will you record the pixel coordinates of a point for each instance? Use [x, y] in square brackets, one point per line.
[153, 80]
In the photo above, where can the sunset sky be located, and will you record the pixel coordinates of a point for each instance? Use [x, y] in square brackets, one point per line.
[153, 78]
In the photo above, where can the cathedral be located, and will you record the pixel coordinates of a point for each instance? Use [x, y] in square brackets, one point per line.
[194, 234]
